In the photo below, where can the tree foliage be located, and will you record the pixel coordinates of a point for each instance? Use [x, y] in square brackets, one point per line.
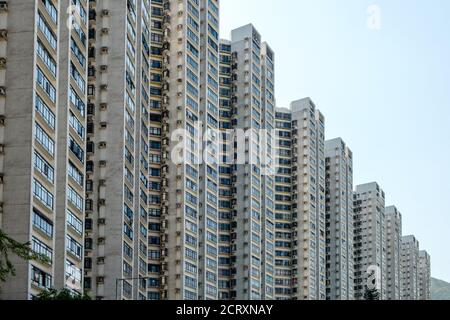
[8, 247]
[63, 295]
[371, 294]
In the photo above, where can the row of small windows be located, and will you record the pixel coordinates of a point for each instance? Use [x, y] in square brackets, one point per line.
[46, 57]
[45, 84]
[46, 30]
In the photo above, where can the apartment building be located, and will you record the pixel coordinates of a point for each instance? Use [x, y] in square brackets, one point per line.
[43, 86]
[226, 194]
[117, 166]
[158, 129]
[185, 58]
[268, 168]
[393, 253]
[252, 206]
[283, 205]
[308, 201]
[409, 268]
[339, 220]
[209, 169]
[424, 276]
[370, 239]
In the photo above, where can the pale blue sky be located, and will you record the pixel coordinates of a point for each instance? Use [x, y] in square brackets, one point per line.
[385, 92]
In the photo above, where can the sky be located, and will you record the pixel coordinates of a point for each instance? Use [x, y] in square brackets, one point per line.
[380, 73]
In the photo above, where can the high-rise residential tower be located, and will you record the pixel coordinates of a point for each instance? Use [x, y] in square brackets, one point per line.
[339, 220]
[300, 202]
[283, 205]
[424, 276]
[253, 113]
[370, 239]
[393, 253]
[268, 168]
[117, 167]
[226, 151]
[308, 201]
[185, 58]
[158, 129]
[409, 268]
[43, 85]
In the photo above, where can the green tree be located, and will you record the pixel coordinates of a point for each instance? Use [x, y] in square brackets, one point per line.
[63, 295]
[371, 294]
[9, 246]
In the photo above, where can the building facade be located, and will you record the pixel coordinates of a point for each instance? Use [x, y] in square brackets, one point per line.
[189, 48]
[117, 165]
[424, 275]
[308, 201]
[300, 202]
[409, 268]
[339, 220]
[43, 87]
[283, 205]
[370, 239]
[252, 116]
[393, 253]
[146, 159]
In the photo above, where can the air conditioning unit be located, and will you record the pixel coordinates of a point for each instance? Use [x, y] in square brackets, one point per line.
[2, 120]
[102, 221]
[2, 91]
[3, 34]
[104, 50]
[2, 63]
[105, 13]
[104, 68]
[102, 202]
[103, 106]
[105, 31]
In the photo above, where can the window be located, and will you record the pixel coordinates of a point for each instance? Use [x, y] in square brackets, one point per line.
[45, 112]
[127, 269]
[45, 84]
[51, 10]
[46, 57]
[74, 222]
[75, 198]
[44, 139]
[77, 77]
[41, 165]
[127, 250]
[78, 53]
[42, 223]
[76, 125]
[43, 194]
[73, 274]
[40, 278]
[74, 247]
[128, 231]
[41, 248]
[76, 149]
[77, 101]
[46, 30]
[76, 174]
